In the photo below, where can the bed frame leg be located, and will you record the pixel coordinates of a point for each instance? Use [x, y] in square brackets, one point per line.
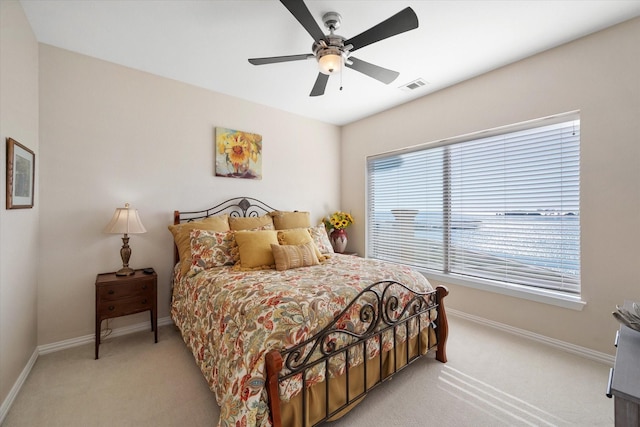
[442, 331]
[273, 361]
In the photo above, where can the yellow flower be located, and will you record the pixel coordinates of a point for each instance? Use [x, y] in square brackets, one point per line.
[237, 151]
[255, 147]
[338, 220]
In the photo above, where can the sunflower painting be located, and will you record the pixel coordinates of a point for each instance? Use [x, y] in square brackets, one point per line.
[238, 154]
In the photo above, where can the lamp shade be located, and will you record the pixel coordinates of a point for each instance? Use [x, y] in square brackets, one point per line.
[330, 63]
[125, 221]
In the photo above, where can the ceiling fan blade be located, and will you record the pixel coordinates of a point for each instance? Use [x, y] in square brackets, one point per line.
[300, 11]
[320, 85]
[402, 21]
[275, 59]
[382, 74]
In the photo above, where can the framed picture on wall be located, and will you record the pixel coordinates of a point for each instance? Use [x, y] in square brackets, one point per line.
[20, 175]
[238, 154]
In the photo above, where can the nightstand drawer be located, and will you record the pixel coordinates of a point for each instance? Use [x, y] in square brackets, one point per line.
[126, 290]
[121, 307]
[123, 295]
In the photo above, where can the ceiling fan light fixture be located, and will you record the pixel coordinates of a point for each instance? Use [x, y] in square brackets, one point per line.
[330, 63]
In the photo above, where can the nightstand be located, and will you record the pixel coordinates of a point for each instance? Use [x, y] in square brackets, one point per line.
[624, 377]
[122, 295]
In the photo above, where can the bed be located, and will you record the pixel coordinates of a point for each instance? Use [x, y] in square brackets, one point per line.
[301, 343]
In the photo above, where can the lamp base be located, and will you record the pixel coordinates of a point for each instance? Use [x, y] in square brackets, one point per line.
[125, 271]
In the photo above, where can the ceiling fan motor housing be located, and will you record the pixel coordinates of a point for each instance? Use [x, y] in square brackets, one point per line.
[332, 20]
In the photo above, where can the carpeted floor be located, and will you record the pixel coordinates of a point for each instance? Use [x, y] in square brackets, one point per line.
[492, 378]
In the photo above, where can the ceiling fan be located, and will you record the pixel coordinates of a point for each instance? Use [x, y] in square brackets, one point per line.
[333, 52]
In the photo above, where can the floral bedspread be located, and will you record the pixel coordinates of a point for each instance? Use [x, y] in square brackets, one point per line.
[230, 319]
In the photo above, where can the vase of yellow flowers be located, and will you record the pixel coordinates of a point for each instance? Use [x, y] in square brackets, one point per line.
[337, 223]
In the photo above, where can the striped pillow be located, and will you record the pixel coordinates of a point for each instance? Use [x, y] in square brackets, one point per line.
[294, 256]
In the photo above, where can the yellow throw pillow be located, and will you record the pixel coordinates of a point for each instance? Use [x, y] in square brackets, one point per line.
[255, 248]
[298, 236]
[294, 256]
[251, 222]
[182, 236]
[285, 220]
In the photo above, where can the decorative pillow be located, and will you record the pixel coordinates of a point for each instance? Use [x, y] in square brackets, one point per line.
[182, 236]
[212, 249]
[283, 220]
[255, 248]
[321, 239]
[294, 256]
[297, 236]
[251, 222]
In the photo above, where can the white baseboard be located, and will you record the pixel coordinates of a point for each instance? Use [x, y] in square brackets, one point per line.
[86, 339]
[63, 345]
[6, 405]
[571, 348]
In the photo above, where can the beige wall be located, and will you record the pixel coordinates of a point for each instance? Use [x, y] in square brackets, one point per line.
[598, 75]
[112, 135]
[18, 228]
[109, 135]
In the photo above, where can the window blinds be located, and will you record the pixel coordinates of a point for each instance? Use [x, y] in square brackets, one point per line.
[503, 208]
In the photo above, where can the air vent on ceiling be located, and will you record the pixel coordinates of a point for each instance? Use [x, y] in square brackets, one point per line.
[416, 84]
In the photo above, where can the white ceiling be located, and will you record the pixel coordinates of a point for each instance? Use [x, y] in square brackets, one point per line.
[207, 43]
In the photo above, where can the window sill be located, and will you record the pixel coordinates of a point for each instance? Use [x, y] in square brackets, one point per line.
[538, 295]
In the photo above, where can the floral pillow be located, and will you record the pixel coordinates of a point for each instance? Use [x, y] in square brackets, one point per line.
[321, 239]
[182, 236]
[211, 249]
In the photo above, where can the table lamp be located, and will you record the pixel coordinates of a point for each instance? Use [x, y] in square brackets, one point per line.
[125, 221]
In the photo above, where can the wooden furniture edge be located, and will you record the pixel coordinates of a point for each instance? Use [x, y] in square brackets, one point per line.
[273, 361]
[176, 254]
[442, 330]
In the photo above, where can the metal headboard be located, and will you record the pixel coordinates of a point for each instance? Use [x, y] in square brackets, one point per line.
[236, 207]
[239, 207]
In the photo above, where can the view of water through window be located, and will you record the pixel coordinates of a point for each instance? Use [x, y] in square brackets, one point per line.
[503, 208]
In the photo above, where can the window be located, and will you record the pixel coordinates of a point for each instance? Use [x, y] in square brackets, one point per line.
[503, 209]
